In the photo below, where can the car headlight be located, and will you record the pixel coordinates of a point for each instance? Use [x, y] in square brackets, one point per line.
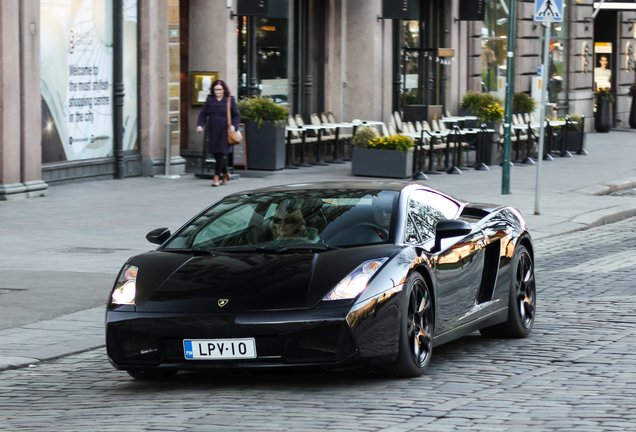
[126, 288]
[356, 281]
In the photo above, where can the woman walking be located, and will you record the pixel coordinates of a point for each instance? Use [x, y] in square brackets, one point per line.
[215, 109]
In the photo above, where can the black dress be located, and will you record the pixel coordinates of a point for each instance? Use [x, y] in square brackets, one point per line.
[216, 111]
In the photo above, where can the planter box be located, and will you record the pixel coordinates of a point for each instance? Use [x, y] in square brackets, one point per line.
[382, 163]
[573, 143]
[265, 147]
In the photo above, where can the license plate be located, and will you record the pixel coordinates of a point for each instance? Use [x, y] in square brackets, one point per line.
[219, 349]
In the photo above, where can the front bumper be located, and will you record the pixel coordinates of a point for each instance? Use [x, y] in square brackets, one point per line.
[321, 337]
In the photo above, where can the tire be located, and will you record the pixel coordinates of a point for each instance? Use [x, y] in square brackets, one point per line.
[417, 328]
[151, 374]
[522, 302]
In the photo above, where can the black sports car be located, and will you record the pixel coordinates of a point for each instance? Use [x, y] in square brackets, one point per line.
[322, 275]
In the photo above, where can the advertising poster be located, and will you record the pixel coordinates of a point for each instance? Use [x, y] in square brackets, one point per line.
[76, 79]
[602, 64]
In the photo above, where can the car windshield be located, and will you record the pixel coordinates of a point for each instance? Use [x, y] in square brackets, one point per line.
[285, 220]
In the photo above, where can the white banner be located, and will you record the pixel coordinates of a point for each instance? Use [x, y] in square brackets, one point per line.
[76, 79]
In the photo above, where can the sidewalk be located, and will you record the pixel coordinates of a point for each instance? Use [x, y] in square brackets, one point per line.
[60, 254]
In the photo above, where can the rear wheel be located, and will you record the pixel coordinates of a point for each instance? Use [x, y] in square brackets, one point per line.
[151, 374]
[522, 302]
[416, 330]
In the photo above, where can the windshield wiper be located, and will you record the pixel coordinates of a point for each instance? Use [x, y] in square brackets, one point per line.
[188, 250]
[297, 247]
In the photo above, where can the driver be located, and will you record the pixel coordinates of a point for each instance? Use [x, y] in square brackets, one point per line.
[289, 225]
[382, 207]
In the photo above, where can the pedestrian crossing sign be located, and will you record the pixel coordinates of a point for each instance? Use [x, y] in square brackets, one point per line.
[548, 10]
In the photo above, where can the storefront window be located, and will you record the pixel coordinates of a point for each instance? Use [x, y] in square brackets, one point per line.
[558, 68]
[494, 44]
[271, 57]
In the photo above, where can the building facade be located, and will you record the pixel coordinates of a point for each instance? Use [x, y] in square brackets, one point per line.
[119, 80]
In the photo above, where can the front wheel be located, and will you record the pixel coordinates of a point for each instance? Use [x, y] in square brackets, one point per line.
[523, 299]
[416, 330]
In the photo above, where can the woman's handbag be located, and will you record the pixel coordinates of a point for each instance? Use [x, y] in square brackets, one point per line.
[233, 136]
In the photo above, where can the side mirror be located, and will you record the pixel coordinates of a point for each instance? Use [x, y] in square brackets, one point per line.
[450, 228]
[158, 236]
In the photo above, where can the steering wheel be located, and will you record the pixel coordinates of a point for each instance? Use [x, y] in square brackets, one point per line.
[382, 233]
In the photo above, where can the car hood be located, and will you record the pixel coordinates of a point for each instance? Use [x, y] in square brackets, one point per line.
[181, 283]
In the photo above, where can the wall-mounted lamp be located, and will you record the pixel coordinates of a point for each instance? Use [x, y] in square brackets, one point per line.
[631, 24]
[587, 20]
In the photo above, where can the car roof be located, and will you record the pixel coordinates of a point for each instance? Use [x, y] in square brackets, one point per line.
[390, 185]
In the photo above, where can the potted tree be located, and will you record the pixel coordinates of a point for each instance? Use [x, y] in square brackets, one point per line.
[602, 116]
[390, 156]
[489, 110]
[632, 111]
[264, 132]
[522, 103]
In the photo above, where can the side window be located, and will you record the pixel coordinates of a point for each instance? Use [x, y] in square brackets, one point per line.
[425, 209]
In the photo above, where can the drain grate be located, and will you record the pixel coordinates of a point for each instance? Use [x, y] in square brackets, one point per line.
[8, 290]
[90, 251]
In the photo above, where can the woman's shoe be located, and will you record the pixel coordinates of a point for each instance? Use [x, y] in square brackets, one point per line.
[215, 184]
[226, 178]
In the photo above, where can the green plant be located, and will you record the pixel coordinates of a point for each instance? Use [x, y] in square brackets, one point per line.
[574, 125]
[392, 142]
[363, 135]
[260, 109]
[486, 106]
[607, 94]
[521, 102]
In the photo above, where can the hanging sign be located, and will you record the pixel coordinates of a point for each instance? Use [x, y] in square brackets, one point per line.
[401, 9]
[548, 10]
[472, 10]
[252, 8]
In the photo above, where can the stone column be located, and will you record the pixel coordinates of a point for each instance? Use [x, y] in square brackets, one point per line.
[369, 83]
[528, 46]
[31, 100]
[20, 101]
[153, 83]
[581, 77]
[335, 55]
[11, 186]
[626, 51]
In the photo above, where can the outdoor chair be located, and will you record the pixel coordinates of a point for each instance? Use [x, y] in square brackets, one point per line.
[392, 130]
[398, 121]
[385, 130]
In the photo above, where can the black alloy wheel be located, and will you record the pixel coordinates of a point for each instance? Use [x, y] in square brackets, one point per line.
[525, 290]
[523, 299]
[417, 330]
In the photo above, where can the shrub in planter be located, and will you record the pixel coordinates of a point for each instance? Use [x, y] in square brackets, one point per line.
[264, 132]
[262, 109]
[632, 110]
[602, 117]
[486, 106]
[385, 157]
[363, 135]
[523, 103]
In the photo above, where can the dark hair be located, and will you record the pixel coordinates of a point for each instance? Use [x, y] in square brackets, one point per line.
[226, 89]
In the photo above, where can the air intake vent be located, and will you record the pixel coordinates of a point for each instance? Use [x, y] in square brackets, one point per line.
[133, 348]
[325, 343]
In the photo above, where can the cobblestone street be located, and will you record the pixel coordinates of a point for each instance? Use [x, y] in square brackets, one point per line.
[576, 371]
